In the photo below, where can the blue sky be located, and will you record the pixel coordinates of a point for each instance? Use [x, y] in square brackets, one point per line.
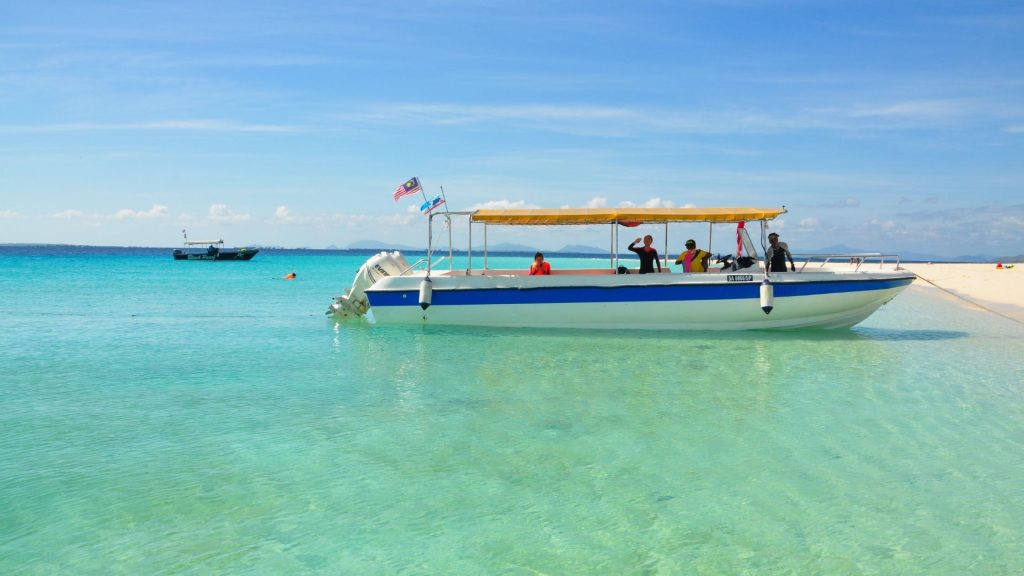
[881, 125]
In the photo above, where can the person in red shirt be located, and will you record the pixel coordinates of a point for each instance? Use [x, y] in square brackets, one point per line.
[539, 266]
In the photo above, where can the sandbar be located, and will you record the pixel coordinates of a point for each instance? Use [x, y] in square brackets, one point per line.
[1000, 290]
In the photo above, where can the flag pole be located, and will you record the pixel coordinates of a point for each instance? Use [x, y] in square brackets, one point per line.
[423, 191]
[430, 228]
[448, 220]
[444, 199]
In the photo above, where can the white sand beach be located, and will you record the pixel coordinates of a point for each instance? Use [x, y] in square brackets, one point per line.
[983, 285]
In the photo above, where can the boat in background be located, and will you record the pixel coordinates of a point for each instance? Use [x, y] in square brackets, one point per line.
[741, 295]
[214, 251]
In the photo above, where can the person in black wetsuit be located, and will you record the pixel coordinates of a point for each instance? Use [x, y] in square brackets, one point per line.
[648, 255]
[777, 254]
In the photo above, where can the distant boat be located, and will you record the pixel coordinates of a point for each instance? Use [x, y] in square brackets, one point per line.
[214, 251]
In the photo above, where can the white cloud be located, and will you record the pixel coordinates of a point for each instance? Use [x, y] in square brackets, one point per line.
[450, 114]
[597, 202]
[651, 203]
[809, 223]
[1019, 129]
[847, 202]
[927, 109]
[9, 214]
[586, 119]
[1011, 221]
[503, 205]
[394, 219]
[659, 203]
[157, 211]
[159, 125]
[285, 215]
[221, 213]
[69, 214]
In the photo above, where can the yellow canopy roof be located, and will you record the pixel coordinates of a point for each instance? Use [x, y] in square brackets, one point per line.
[609, 215]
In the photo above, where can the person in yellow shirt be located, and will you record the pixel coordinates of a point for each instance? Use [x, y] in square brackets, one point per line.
[693, 259]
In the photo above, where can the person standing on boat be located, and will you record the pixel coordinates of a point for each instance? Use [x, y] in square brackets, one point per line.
[693, 259]
[777, 254]
[539, 266]
[648, 255]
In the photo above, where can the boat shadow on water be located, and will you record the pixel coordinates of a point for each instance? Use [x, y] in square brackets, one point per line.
[855, 334]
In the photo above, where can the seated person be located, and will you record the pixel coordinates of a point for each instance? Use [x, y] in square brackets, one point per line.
[539, 266]
[693, 259]
[648, 255]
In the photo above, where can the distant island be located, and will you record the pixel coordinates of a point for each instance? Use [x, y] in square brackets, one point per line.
[378, 245]
[510, 247]
[381, 245]
[499, 247]
[582, 249]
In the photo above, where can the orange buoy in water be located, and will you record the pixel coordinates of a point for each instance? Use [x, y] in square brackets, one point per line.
[289, 276]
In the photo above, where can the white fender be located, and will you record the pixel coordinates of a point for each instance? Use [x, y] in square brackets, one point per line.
[426, 292]
[767, 296]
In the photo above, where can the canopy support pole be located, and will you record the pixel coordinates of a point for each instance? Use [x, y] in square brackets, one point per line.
[469, 250]
[448, 222]
[485, 246]
[430, 242]
[615, 244]
[764, 248]
[664, 255]
[710, 228]
[611, 247]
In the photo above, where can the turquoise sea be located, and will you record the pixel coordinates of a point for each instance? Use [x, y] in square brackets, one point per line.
[162, 417]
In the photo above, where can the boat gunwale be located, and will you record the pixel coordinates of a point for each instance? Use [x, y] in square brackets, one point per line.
[444, 283]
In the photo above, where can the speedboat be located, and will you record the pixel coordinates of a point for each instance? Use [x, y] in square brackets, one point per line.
[214, 251]
[831, 291]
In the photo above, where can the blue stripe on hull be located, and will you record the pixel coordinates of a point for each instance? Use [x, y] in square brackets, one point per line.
[642, 293]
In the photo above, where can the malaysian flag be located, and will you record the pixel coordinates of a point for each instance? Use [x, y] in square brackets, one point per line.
[429, 205]
[410, 187]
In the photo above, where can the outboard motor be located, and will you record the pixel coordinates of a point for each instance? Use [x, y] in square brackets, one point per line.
[354, 302]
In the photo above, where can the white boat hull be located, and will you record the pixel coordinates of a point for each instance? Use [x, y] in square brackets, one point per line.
[649, 302]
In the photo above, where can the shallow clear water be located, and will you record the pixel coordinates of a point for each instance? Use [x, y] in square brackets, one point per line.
[161, 417]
